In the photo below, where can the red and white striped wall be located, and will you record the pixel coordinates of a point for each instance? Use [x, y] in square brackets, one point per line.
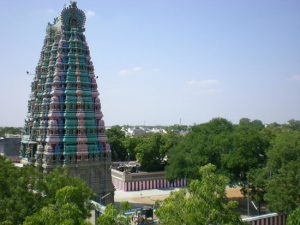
[268, 219]
[147, 184]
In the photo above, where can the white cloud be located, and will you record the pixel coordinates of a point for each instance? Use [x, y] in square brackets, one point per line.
[137, 69]
[90, 14]
[204, 87]
[131, 71]
[295, 77]
[204, 84]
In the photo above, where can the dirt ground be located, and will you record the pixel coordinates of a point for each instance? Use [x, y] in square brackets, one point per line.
[138, 199]
[234, 193]
[148, 197]
[145, 197]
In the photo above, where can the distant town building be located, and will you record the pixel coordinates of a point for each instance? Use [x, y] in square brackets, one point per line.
[64, 126]
[141, 130]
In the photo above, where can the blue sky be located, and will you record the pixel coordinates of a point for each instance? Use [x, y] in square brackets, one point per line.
[162, 60]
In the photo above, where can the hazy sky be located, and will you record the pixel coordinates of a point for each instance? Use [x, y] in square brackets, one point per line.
[162, 60]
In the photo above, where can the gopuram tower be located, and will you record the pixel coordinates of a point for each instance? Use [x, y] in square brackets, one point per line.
[64, 124]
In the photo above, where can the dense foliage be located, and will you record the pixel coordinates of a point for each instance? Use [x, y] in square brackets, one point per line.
[294, 217]
[28, 196]
[114, 216]
[263, 159]
[9, 130]
[204, 202]
[234, 149]
[149, 149]
[116, 138]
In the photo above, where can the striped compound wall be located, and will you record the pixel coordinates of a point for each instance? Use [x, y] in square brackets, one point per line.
[268, 219]
[143, 181]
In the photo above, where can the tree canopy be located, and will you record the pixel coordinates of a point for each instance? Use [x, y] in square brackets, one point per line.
[282, 186]
[203, 203]
[149, 149]
[30, 196]
[116, 138]
[294, 217]
[9, 130]
[114, 216]
[203, 144]
[264, 160]
[249, 145]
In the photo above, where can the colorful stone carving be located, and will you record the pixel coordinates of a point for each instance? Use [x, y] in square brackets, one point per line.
[64, 125]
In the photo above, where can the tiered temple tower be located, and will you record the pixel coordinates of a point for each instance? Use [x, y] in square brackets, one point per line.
[64, 125]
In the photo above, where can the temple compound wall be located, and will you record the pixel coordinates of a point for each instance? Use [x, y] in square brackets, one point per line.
[143, 181]
[267, 219]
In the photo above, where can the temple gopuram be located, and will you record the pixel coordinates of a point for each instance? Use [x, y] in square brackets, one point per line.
[64, 125]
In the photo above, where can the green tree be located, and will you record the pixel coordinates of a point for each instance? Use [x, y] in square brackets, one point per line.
[151, 149]
[278, 183]
[77, 195]
[57, 179]
[294, 217]
[204, 202]
[17, 198]
[283, 188]
[66, 214]
[170, 140]
[114, 216]
[124, 206]
[149, 152]
[130, 144]
[285, 148]
[27, 192]
[10, 130]
[205, 143]
[116, 139]
[71, 206]
[257, 182]
[283, 185]
[249, 145]
[176, 128]
[294, 125]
